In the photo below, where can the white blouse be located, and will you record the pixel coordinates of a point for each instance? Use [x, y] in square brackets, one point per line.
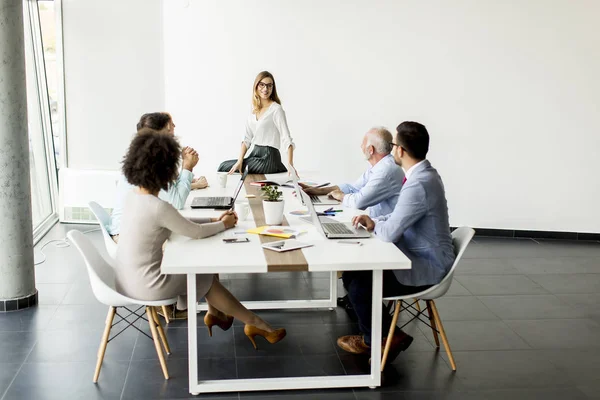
[271, 129]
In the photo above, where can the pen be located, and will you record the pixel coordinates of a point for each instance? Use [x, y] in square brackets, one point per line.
[362, 226]
[321, 185]
[347, 242]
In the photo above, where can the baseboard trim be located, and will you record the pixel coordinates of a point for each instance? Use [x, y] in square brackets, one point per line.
[19, 304]
[508, 233]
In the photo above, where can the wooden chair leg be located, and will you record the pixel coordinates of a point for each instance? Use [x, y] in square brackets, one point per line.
[108, 321]
[438, 323]
[164, 310]
[159, 352]
[432, 322]
[388, 342]
[104, 342]
[418, 305]
[161, 332]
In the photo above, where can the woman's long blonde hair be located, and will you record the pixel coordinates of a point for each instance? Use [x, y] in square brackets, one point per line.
[256, 101]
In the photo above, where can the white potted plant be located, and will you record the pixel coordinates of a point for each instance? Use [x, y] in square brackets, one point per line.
[272, 205]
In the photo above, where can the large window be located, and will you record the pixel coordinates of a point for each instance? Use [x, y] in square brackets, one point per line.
[40, 56]
[50, 41]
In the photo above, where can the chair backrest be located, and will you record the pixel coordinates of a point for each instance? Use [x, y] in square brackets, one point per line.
[461, 237]
[101, 273]
[104, 220]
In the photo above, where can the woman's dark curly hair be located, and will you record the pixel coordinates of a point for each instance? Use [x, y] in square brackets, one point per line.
[152, 160]
[155, 120]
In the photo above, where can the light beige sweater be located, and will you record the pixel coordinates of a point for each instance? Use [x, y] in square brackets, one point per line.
[146, 224]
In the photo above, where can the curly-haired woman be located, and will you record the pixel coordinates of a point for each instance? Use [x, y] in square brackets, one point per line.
[178, 191]
[151, 164]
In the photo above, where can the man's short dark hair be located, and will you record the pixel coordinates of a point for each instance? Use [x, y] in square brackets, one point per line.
[413, 138]
[156, 120]
[152, 160]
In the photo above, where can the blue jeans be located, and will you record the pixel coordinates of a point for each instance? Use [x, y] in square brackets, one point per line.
[359, 285]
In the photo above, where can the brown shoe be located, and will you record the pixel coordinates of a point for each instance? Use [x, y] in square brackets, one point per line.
[400, 342]
[354, 344]
[272, 337]
[224, 324]
[173, 313]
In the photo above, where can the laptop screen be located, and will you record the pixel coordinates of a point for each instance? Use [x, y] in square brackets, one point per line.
[297, 187]
[240, 184]
[313, 214]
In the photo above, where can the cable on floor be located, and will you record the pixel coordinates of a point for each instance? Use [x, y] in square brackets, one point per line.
[60, 243]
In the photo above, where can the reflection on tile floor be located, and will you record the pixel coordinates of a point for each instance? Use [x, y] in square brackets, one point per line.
[521, 316]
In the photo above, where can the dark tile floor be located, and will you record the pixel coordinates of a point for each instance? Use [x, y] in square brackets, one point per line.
[522, 317]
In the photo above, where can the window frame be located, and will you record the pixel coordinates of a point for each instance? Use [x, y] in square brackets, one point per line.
[34, 44]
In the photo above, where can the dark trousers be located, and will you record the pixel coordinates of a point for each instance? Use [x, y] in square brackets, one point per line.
[359, 285]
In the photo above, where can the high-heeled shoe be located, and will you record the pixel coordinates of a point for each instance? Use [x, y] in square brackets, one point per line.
[272, 337]
[210, 320]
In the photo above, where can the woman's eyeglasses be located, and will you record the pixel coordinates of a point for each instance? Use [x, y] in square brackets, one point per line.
[262, 85]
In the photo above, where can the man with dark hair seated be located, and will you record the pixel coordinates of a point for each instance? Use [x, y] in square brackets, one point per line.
[418, 226]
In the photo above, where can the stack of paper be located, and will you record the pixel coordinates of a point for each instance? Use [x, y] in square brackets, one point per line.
[284, 232]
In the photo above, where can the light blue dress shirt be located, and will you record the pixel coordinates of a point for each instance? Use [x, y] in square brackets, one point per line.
[419, 226]
[377, 189]
[176, 196]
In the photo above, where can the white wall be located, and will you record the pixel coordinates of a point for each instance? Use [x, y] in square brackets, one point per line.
[113, 73]
[508, 90]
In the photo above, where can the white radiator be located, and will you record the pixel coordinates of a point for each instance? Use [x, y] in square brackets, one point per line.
[78, 187]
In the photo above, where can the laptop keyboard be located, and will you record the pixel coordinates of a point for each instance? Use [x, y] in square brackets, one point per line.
[218, 201]
[337, 228]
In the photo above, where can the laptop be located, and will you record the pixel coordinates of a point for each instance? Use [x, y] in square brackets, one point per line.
[323, 200]
[220, 203]
[320, 200]
[330, 228]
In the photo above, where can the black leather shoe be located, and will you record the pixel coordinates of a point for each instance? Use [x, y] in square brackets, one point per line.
[344, 302]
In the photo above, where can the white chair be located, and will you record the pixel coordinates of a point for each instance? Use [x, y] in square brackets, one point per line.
[104, 220]
[111, 247]
[460, 239]
[102, 279]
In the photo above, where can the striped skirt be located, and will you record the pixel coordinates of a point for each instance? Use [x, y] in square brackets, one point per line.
[262, 160]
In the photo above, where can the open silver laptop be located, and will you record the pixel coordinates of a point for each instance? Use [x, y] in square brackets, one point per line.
[220, 203]
[320, 200]
[323, 200]
[330, 228]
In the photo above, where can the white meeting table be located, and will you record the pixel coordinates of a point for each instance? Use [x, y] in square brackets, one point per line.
[213, 256]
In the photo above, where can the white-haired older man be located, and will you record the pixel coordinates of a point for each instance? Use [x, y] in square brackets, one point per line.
[377, 189]
[379, 186]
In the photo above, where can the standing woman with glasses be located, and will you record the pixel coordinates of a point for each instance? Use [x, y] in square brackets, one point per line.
[267, 130]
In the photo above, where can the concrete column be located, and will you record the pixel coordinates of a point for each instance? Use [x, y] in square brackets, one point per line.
[17, 279]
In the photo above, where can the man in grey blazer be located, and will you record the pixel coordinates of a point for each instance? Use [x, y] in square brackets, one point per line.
[418, 226]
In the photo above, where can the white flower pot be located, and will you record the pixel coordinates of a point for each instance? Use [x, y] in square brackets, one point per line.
[273, 212]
